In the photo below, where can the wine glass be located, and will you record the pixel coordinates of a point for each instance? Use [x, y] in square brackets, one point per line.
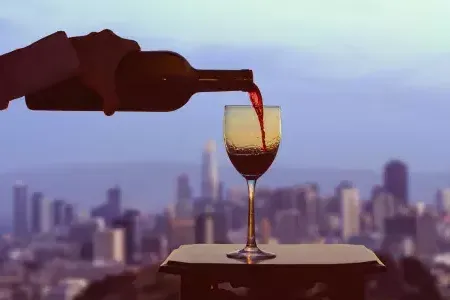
[244, 143]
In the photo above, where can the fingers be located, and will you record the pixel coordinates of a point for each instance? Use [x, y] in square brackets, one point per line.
[4, 104]
[126, 45]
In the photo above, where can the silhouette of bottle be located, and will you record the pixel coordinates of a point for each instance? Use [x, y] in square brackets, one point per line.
[147, 81]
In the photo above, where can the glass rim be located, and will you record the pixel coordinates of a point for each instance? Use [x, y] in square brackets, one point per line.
[251, 106]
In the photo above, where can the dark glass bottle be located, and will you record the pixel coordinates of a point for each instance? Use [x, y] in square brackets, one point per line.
[147, 81]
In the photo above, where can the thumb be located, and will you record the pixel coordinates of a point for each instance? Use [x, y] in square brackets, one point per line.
[4, 104]
[111, 101]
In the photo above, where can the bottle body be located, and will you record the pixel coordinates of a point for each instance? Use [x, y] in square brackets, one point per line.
[152, 81]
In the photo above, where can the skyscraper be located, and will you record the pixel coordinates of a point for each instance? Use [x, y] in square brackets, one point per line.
[40, 214]
[69, 214]
[183, 207]
[396, 181]
[210, 173]
[108, 245]
[443, 201]
[350, 212]
[114, 202]
[58, 210]
[383, 207]
[20, 210]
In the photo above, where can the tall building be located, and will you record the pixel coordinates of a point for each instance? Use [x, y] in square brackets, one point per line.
[210, 173]
[265, 231]
[383, 207]
[40, 214]
[396, 181]
[114, 201]
[443, 201]
[180, 232]
[69, 214]
[111, 209]
[130, 222]
[20, 210]
[108, 245]
[427, 236]
[58, 210]
[211, 227]
[350, 212]
[183, 207]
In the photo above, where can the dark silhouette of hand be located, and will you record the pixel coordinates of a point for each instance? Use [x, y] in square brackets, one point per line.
[3, 102]
[100, 53]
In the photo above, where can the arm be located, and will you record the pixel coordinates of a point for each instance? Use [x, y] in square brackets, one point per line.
[37, 66]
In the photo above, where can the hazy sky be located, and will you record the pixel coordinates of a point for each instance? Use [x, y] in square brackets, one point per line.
[359, 82]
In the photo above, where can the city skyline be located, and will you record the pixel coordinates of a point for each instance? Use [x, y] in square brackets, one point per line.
[395, 180]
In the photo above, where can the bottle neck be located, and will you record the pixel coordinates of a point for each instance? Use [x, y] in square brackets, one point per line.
[224, 80]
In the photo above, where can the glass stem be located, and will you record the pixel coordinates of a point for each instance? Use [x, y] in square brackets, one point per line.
[251, 239]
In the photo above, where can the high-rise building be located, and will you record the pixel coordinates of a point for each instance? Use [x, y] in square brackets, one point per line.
[383, 207]
[265, 231]
[350, 212]
[427, 235]
[69, 214]
[20, 210]
[114, 201]
[443, 201]
[108, 245]
[41, 220]
[396, 181]
[111, 209]
[210, 173]
[211, 227]
[183, 207]
[180, 232]
[184, 190]
[58, 210]
[130, 222]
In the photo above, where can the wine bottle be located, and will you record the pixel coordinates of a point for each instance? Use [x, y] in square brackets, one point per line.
[146, 81]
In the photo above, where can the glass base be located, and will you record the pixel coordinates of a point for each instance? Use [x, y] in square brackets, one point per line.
[251, 254]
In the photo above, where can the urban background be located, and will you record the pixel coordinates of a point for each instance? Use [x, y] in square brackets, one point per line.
[54, 251]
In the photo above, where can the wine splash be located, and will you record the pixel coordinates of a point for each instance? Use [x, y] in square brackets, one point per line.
[257, 103]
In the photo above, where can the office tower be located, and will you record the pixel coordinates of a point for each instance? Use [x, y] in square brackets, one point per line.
[443, 201]
[426, 235]
[211, 227]
[58, 210]
[41, 220]
[210, 173]
[350, 212]
[184, 190]
[307, 203]
[288, 226]
[108, 245]
[69, 214]
[396, 181]
[20, 210]
[114, 202]
[265, 231]
[82, 233]
[133, 234]
[383, 207]
[183, 207]
[181, 232]
[111, 209]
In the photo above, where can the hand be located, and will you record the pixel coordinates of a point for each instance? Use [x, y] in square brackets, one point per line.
[100, 53]
[3, 102]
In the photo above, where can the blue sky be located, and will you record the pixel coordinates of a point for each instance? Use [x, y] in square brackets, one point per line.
[359, 82]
